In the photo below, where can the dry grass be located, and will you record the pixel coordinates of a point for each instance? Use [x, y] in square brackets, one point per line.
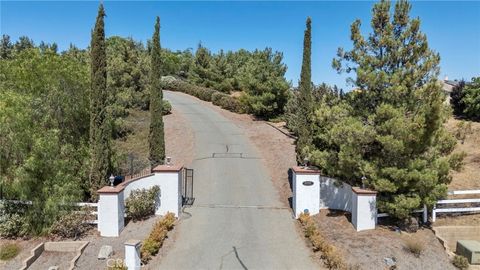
[415, 246]
[469, 176]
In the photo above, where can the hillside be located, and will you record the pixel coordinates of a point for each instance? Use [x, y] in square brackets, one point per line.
[469, 176]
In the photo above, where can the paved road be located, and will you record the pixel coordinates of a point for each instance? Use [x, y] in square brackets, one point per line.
[237, 221]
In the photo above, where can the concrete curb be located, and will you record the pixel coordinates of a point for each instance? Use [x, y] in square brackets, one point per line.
[67, 246]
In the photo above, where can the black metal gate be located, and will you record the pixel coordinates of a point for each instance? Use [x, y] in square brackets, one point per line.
[187, 187]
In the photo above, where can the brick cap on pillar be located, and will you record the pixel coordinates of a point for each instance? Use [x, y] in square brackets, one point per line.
[133, 242]
[110, 189]
[303, 170]
[167, 168]
[361, 191]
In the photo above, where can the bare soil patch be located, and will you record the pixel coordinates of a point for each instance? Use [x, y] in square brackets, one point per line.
[134, 230]
[469, 176]
[367, 249]
[50, 258]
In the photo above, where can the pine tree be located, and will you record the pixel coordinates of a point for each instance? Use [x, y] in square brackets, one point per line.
[100, 131]
[305, 96]
[390, 131]
[156, 138]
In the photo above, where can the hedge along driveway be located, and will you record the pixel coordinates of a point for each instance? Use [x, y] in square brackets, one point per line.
[237, 220]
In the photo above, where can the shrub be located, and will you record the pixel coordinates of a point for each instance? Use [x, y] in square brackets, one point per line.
[13, 226]
[13, 223]
[9, 251]
[330, 256]
[216, 97]
[168, 221]
[415, 246]
[73, 224]
[157, 236]
[460, 262]
[141, 203]
[166, 107]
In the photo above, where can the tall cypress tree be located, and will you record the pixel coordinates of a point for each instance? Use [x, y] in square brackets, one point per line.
[100, 132]
[156, 138]
[305, 95]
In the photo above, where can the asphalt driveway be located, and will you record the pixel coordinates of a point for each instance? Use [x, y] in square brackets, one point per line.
[237, 220]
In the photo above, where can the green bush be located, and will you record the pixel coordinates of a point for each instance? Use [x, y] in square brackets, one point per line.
[460, 262]
[218, 98]
[330, 256]
[141, 203]
[72, 224]
[166, 107]
[157, 236]
[13, 223]
[9, 251]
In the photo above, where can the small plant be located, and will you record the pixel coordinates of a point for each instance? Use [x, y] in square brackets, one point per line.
[460, 262]
[166, 107]
[157, 236]
[118, 266]
[141, 203]
[73, 224]
[415, 246]
[9, 251]
[330, 256]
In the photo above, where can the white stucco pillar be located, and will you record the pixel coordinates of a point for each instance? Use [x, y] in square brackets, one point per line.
[169, 178]
[364, 209]
[111, 211]
[306, 191]
[132, 254]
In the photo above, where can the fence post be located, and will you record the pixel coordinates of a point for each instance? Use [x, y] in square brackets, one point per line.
[434, 214]
[425, 214]
[111, 211]
[132, 254]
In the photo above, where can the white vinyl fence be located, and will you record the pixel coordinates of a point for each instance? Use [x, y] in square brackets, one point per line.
[452, 205]
[94, 212]
[424, 212]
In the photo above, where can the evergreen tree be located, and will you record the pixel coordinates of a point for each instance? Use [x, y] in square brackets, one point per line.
[100, 130]
[6, 47]
[156, 138]
[472, 99]
[305, 96]
[390, 130]
[456, 97]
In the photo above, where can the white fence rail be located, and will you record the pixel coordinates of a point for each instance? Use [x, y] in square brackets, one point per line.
[424, 212]
[95, 212]
[454, 209]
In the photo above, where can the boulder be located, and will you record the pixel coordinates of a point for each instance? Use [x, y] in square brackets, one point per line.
[105, 252]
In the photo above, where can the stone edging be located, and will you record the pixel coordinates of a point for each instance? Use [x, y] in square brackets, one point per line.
[52, 246]
[35, 253]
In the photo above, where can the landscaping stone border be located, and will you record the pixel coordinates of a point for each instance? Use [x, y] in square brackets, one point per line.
[65, 246]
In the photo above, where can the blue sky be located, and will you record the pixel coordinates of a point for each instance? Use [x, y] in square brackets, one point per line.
[452, 27]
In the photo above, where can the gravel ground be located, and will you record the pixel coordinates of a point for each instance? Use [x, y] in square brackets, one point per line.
[49, 258]
[367, 249]
[133, 230]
